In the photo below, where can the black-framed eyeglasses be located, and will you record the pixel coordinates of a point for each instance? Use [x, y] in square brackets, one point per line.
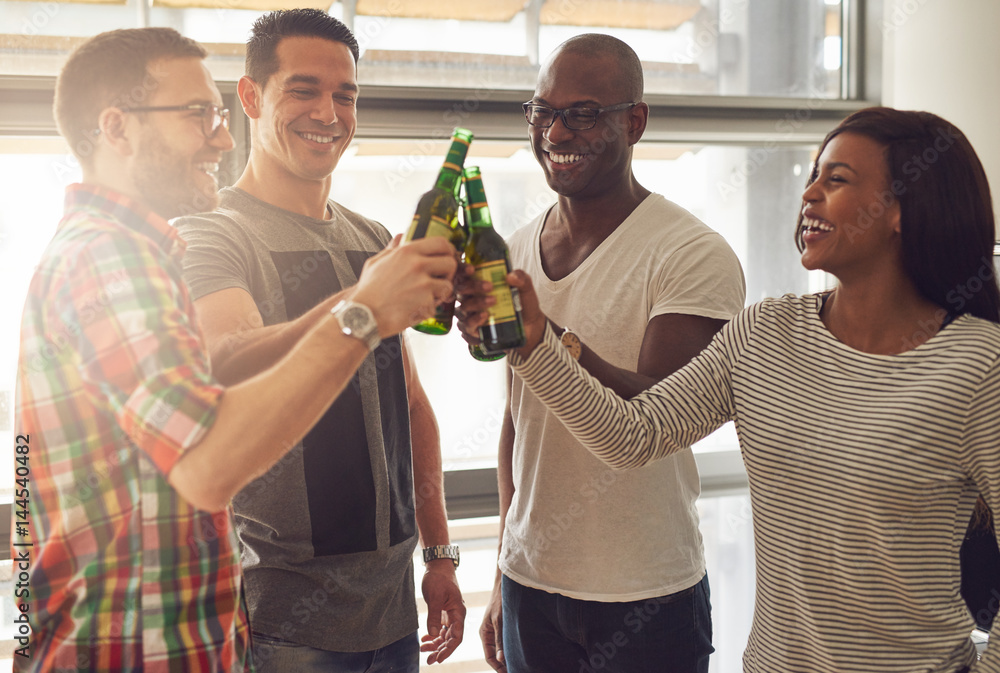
[212, 116]
[575, 118]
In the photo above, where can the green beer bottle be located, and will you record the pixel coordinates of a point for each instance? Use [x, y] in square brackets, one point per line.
[437, 215]
[477, 352]
[487, 252]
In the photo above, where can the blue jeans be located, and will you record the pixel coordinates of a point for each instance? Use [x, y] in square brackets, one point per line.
[550, 633]
[274, 655]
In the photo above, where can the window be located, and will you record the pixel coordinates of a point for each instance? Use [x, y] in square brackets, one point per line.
[692, 47]
[714, 47]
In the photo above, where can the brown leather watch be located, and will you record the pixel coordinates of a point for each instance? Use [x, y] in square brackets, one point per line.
[571, 342]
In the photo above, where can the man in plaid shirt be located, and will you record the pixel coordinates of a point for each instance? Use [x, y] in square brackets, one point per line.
[135, 449]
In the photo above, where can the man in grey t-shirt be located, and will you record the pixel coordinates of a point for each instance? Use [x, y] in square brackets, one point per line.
[328, 534]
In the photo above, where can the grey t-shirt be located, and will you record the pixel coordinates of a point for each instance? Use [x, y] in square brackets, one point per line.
[328, 533]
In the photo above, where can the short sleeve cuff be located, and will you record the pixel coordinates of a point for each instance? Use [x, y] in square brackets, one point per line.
[170, 413]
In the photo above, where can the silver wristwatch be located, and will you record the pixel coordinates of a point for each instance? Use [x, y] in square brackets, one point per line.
[357, 320]
[448, 551]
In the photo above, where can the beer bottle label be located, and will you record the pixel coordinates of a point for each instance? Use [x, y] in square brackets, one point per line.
[496, 272]
[435, 227]
[439, 227]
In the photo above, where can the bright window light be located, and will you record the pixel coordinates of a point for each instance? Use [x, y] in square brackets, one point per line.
[831, 52]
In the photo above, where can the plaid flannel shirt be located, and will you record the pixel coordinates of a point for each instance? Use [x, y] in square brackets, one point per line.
[113, 386]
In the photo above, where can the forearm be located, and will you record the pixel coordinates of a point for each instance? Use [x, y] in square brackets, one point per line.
[623, 434]
[445, 607]
[669, 342]
[425, 446]
[505, 477]
[625, 383]
[428, 479]
[262, 418]
[250, 350]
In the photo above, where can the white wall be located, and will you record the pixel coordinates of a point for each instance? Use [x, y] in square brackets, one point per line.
[944, 56]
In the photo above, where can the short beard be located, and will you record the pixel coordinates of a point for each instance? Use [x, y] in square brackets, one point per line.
[163, 179]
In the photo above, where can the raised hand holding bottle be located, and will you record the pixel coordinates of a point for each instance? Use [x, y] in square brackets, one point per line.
[487, 252]
[437, 215]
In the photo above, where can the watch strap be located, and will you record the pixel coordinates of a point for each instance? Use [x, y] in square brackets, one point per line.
[448, 551]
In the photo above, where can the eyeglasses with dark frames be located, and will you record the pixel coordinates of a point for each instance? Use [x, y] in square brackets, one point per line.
[212, 116]
[574, 118]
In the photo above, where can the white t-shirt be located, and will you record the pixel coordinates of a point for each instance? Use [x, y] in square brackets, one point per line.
[575, 526]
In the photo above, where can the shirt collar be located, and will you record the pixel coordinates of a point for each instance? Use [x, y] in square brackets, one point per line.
[129, 212]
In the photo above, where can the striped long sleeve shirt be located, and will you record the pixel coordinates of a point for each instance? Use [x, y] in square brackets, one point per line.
[863, 470]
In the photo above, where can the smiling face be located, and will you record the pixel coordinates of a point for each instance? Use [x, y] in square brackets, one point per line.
[174, 166]
[305, 115]
[850, 217]
[584, 164]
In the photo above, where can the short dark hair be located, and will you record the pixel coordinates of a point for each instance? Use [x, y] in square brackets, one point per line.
[111, 70]
[270, 29]
[946, 211]
[599, 44]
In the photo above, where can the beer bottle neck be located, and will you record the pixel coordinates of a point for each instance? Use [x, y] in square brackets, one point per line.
[448, 180]
[479, 217]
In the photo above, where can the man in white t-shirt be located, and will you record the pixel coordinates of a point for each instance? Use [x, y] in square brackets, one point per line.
[602, 570]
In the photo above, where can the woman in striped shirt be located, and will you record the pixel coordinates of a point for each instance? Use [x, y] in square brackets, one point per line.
[868, 417]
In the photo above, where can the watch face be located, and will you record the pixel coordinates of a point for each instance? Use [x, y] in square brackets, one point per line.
[572, 344]
[355, 318]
